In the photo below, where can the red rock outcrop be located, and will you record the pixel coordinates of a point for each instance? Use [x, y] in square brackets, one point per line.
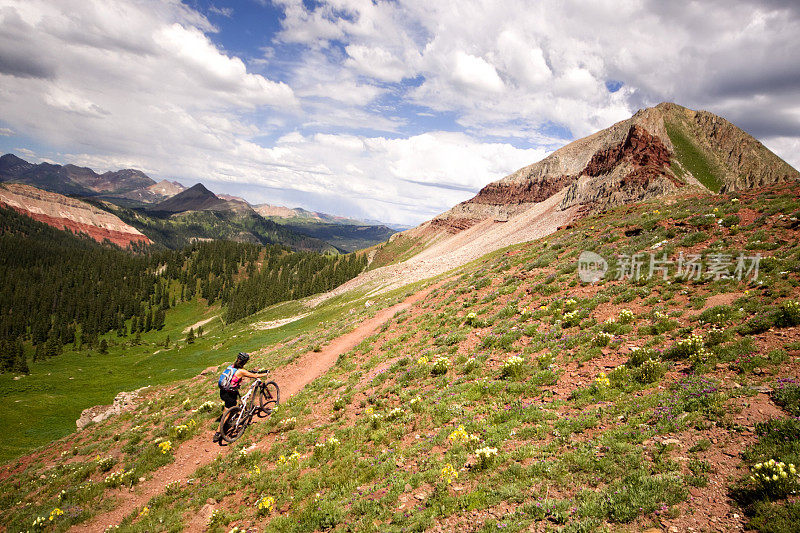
[453, 225]
[66, 213]
[645, 153]
[533, 191]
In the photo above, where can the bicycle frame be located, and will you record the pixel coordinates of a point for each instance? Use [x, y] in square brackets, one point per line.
[246, 399]
[261, 398]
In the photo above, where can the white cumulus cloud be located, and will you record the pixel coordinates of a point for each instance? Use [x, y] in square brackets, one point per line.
[387, 109]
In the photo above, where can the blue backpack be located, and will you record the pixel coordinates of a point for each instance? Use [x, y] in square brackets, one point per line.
[226, 379]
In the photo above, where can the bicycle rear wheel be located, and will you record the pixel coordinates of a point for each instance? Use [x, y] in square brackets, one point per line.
[229, 429]
[267, 399]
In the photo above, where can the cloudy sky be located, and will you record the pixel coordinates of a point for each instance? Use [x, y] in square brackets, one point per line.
[388, 110]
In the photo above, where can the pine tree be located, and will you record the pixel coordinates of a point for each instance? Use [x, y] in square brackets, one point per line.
[158, 319]
[38, 353]
[190, 336]
[103, 347]
[7, 355]
[20, 361]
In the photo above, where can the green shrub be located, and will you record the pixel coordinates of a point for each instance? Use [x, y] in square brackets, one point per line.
[571, 318]
[789, 314]
[639, 356]
[778, 439]
[759, 323]
[716, 336]
[775, 479]
[730, 221]
[692, 349]
[513, 367]
[788, 396]
[768, 517]
[626, 316]
[106, 464]
[439, 366]
[695, 237]
[619, 377]
[649, 372]
[719, 315]
[699, 473]
[636, 494]
[602, 339]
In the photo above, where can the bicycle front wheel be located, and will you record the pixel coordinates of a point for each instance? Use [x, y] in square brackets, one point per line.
[231, 425]
[267, 399]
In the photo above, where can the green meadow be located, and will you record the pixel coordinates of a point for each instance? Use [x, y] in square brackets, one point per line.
[44, 405]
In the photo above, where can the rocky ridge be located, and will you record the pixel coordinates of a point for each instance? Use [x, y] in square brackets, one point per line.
[631, 161]
[69, 213]
[125, 184]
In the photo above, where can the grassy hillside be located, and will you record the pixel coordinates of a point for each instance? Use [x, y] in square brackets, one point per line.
[47, 402]
[693, 158]
[513, 398]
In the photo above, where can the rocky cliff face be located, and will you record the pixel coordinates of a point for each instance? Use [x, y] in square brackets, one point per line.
[743, 161]
[630, 171]
[656, 152]
[68, 213]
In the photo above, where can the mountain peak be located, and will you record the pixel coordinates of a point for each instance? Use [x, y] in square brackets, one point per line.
[11, 165]
[658, 151]
[198, 198]
[199, 189]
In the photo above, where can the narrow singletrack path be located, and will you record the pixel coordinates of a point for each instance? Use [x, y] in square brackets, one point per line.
[200, 451]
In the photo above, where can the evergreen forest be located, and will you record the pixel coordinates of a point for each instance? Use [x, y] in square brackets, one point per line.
[60, 288]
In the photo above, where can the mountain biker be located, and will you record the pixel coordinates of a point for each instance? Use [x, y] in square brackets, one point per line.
[231, 379]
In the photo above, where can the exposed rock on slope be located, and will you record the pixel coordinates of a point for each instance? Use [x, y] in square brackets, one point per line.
[124, 401]
[277, 212]
[68, 213]
[165, 188]
[657, 152]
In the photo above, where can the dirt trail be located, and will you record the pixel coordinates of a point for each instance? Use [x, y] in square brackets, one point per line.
[198, 324]
[200, 451]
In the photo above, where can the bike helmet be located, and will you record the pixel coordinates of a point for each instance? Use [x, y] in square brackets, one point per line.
[243, 357]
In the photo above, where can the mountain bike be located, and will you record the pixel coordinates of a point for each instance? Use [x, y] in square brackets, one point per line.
[260, 400]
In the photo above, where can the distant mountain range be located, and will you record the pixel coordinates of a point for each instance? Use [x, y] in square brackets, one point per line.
[172, 215]
[298, 214]
[135, 185]
[130, 184]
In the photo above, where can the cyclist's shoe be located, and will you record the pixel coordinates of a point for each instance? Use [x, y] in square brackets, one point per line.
[217, 437]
